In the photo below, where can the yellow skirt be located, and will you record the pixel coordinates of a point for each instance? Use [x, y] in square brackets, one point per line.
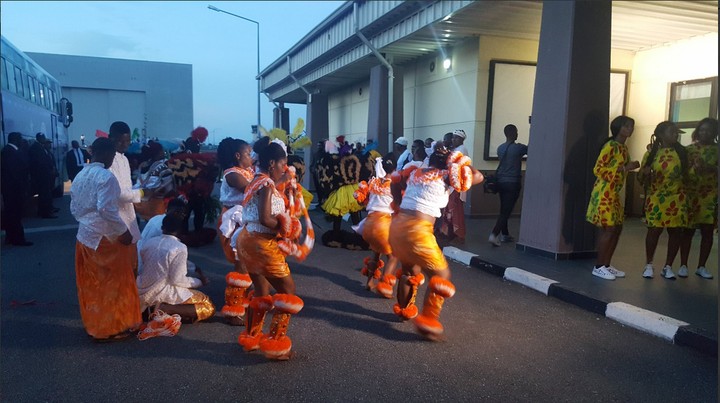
[259, 254]
[376, 232]
[413, 243]
[341, 201]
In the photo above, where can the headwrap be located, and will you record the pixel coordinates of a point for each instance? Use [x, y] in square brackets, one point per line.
[379, 170]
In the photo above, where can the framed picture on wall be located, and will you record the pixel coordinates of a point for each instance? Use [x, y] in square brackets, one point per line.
[510, 97]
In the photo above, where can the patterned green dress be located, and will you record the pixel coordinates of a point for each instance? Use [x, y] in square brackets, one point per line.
[702, 185]
[665, 202]
[605, 208]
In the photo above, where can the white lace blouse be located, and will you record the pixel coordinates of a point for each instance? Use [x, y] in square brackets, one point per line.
[121, 169]
[94, 198]
[162, 277]
[251, 212]
[426, 192]
[229, 196]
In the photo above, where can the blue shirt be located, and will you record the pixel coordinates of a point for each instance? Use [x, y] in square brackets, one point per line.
[510, 167]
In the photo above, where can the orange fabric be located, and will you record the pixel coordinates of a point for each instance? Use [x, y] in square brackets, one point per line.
[259, 254]
[225, 242]
[413, 243]
[453, 219]
[204, 307]
[376, 232]
[107, 294]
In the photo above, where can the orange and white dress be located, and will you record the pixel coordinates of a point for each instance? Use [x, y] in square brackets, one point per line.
[376, 226]
[230, 197]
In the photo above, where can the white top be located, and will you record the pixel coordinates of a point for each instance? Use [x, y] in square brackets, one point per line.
[251, 212]
[94, 203]
[380, 197]
[426, 192]
[152, 229]
[121, 169]
[229, 196]
[162, 277]
[404, 158]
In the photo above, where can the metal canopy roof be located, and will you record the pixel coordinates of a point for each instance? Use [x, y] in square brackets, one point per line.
[636, 25]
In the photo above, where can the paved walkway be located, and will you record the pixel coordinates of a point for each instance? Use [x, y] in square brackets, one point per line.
[692, 300]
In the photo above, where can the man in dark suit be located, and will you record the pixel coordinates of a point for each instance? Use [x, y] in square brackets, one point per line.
[43, 173]
[75, 159]
[15, 181]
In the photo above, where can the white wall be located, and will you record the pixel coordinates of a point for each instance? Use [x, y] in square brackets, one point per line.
[348, 113]
[654, 70]
[153, 96]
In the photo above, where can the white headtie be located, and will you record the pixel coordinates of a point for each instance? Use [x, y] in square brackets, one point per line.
[278, 141]
[379, 170]
[330, 147]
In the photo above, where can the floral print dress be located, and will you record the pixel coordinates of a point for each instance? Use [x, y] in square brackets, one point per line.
[665, 201]
[605, 208]
[702, 185]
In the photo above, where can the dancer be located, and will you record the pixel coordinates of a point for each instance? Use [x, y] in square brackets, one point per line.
[234, 157]
[702, 189]
[375, 228]
[411, 233]
[266, 219]
[664, 170]
[605, 209]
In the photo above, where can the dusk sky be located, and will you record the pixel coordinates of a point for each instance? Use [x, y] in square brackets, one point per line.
[220, 47]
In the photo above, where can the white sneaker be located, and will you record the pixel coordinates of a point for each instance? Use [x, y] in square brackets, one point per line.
[667, 273]
[615, 272]
[703, 272]
[683, 271]
[603, 273]
[494, 240]
[648, 272]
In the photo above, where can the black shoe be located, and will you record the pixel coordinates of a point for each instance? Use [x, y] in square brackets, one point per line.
[48, 216]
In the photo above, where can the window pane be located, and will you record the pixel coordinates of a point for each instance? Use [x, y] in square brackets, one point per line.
[33, 90]
[692, 102]
[18, 81]
[11, 77]
[3, 74]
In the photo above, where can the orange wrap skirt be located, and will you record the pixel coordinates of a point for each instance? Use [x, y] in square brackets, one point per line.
[259, 254]
[413, 243]
[107, 294]
[376, 232]
[204, 307]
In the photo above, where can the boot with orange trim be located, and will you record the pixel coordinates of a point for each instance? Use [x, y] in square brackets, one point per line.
[254, 320]
[277, 345]
[409, 310]
[428, 323]
[373, 270]
[234, 309]
[387, 282]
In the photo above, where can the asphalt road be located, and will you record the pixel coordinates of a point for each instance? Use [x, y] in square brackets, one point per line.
[504, 343]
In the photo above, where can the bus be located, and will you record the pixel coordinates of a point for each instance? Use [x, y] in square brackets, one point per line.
[32, 103]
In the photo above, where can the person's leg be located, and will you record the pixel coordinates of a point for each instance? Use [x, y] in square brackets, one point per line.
[651, 241]
[674, 235]
[440, 288]
[255, 313]
[186, 311]
[616, 231]
[512, 196]
[277, 345]
[605, 240]
[408, 284]
[12, 217]
[706, 242]
[686, 237]
[386, 284]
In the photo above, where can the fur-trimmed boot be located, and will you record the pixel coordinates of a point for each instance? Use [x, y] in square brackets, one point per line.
[277, 344]
[254, 320]
[235, 298]
[410, 310]
[428, 323]
[386, 284]
[372, 270]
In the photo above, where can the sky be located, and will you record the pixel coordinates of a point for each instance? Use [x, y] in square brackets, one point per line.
[216, 44]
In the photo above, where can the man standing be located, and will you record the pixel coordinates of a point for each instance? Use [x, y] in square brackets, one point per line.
[509, 175]
[120, 136]
[107, 294]
[43, 173]
[15, 180]
[401, 149]
[75, 160]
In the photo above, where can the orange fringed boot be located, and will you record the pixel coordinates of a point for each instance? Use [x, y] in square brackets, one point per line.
[235, 299]
[254, 320]
[372, 270]
[427, 322]
[277, 344]
[385, 286]
[410, 311]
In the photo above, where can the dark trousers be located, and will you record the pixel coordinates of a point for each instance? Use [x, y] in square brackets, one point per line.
[197, 208]
[12, 216]
[509, 192]
[45, 198]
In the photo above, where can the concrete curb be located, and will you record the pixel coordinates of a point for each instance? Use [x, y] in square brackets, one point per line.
[665, 327]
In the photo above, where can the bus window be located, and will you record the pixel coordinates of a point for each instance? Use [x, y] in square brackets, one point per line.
[19, 82]
[33, 90]
[42, 95]
[3, 74]
[11, 76]
[26, 85]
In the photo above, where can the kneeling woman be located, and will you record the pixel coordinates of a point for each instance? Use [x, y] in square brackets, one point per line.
[265, 220]
[411, 234]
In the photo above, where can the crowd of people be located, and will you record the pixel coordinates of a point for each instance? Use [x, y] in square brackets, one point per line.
[130, 281]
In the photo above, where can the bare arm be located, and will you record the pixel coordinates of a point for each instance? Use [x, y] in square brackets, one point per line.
[237, 181]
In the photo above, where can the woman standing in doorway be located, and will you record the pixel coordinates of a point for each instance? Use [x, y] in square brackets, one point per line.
[605, 209]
